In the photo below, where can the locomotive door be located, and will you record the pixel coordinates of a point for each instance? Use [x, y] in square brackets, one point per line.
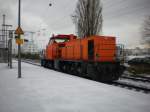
[91, 49]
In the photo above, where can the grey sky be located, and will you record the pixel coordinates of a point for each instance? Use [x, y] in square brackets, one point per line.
[122, 18]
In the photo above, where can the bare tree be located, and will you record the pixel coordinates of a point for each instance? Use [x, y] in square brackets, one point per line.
[146, 31]
[88, 18]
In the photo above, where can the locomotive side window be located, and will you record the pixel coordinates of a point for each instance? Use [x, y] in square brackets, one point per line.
[91, 49]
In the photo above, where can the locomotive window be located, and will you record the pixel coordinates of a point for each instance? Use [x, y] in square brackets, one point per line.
[61, 40]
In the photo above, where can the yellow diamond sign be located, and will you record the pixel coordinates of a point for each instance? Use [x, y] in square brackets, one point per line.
[19, 31]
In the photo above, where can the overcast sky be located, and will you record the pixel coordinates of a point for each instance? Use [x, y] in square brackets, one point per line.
[122, 18]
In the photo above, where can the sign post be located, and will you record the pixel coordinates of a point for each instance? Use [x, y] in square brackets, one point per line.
[19, 32]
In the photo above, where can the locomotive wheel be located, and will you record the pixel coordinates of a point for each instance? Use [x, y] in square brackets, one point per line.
[106, 74]
[45, 65]
[76, 69]
[49, 64]
[92, 72]
[79, 70]
[43, 62]
[61, 66]
[84, 69]
[64, 68]
[72, 69]
[68, 68]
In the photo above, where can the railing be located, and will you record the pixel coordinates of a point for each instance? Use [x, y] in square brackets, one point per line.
[120, 53]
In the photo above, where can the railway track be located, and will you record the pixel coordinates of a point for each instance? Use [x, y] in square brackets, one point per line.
[131, 86]
[118, 83]
[33, 63]
[141, 79]
[139, 83]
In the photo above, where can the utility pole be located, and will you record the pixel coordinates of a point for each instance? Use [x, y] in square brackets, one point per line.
[3, 30]
[10, 48]
[18, 40]
[19, 46]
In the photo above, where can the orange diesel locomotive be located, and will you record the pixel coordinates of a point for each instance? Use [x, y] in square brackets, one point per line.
[93, 57]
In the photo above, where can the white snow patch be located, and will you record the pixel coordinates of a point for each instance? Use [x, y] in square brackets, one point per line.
[44, 90]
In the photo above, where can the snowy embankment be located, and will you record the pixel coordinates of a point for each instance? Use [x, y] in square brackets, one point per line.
[44, 90]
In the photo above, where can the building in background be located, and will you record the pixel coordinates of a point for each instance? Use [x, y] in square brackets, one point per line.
[3, 47]
[29, 45]
[138, 51]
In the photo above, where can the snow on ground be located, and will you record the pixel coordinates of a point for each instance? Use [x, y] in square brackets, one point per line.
[136, 83]
[44, 90]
